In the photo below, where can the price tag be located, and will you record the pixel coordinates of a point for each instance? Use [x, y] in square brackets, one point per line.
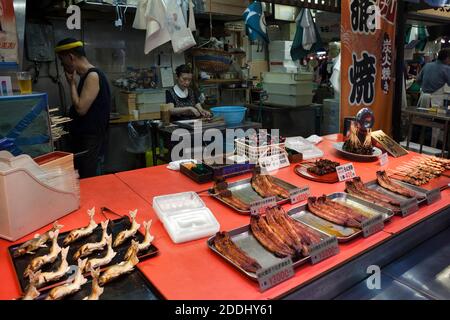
[323, 250]
[346, 172]
[433, 196]
[299, 194]
[260, 206]
[384, 159]
[372, 225]
[274, 162]
[410, 208]
[275, 274]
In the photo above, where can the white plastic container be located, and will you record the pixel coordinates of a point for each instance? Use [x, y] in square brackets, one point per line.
[27, 203]
[284, 66]
[280, 45]
[286, 78]
[301, 88]
[290, 100]
[185, 216]
[308, 149]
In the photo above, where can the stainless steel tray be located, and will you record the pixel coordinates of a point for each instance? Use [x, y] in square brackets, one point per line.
[407, 205]
[431, 195]
[343, 234]
[244, 239]
[244, 191]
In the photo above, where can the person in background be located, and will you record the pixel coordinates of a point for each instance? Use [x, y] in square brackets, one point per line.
[184, 103]
[91, 106]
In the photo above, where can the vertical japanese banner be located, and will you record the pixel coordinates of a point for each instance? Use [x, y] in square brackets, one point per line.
[367, 53]
[8, 33]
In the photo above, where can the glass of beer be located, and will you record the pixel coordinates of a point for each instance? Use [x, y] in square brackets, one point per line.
[24, 82]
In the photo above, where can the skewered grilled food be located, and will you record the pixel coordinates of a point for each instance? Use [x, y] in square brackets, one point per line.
[42, 278]
[99, 262]
[88, 248]
[32, 292]
[145, 244]
[122, 268]
[77, 234]
[323, 167]
[126, 234]
[38, 262]
[389, 184]
[39, 241]
[229, 249]
[354, 145]
[97, 291]
[69, 288]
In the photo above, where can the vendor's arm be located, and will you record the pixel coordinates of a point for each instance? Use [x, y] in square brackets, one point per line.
[202, 111]
[185, 111]
[89, 93]
[419, 78]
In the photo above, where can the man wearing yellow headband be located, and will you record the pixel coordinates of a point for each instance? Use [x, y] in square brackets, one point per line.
[91, 106]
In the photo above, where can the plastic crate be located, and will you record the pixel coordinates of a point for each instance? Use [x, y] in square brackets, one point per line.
[253, 153]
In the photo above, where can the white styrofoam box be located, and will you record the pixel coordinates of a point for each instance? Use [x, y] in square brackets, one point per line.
[280, 45]
[291, 100]
[185, 216]
[284, 66]
[286, 78]
[279, 55]
[151, 96]
[306, 148]
[301, 88]
[283, 69]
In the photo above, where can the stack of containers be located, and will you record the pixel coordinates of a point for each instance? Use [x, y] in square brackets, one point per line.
[280, 57]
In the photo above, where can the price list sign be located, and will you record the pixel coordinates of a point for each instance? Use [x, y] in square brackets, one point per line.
[346, 172]
[299, 194]
[260, 206]
[324, 249]
[271, 276]
[372, 225]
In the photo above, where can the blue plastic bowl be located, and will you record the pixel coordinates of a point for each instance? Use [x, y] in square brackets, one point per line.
[231, 115]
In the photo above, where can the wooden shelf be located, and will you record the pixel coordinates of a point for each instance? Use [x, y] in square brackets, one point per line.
[220, 81]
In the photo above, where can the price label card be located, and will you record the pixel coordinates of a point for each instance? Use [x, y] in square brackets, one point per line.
[372, 225]
[410, 207]
[384, 159]
[433, 196]
[270, 277]
[324, 249]
[260, 206]
[346, 172]
[274, 162]
[299, 194]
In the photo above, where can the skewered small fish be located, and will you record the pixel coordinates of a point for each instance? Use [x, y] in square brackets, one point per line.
[45, 277]
[119, 269]
[62, 291]
[39, 241]
[99, 262]
[74, 235]
[124, 235]
[38, 262]
[88, 248]
[145, 244]
[32, 293]
[97, 291]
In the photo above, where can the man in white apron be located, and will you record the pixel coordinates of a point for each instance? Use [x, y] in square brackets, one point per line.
[434, 78]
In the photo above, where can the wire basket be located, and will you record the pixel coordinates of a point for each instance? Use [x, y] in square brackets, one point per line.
[212, 60]
[254, 153]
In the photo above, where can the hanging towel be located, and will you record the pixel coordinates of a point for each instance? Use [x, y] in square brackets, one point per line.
[255, 22]
[307, 38]
[180, 34]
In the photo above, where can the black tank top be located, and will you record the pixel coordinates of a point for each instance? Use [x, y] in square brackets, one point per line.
[96, 120]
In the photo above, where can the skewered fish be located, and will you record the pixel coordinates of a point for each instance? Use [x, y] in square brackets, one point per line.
[67, 289]
[42, 278]
[39, 241]
[117, 270]
[38, 262]
[32, 292]
[99, 262]
[145, 244]
[74, 235]
[124, 235]
[389, 184]
[97, 291]
[88, 248]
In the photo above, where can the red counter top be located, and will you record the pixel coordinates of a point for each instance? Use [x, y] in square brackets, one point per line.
[191, 270]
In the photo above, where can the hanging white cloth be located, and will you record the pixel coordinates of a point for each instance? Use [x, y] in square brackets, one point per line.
[309, 32]
[140, 22]
[335, 78]
[180, 34]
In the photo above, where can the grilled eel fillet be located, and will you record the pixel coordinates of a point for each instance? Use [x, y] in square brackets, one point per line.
[358, 190]
[335, 216]
[266, 187]
[229, 249]
[221, 189]
[387, 183]
[341, 208]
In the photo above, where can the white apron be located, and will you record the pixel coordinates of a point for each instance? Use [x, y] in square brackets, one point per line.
[435, 99]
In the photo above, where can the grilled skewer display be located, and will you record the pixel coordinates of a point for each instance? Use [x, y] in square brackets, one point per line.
[126, 234]
[354, 145]
[387, 183]
[89, 248]
[77, 234]
[38, 262]
[323, 166]
[42, 278]
[39, 241]
[69, 288]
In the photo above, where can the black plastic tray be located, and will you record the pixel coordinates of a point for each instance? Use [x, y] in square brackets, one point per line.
[230, 170]
[204, 178]
[114, 227]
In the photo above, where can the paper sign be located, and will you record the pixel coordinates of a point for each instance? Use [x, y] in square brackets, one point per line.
[275, 274]
[346, 172]
[384, 159]
[167, 77]
[323, 250]
[372, 225]
[274, 162]
[5, 86]
[260, 206]
[299, 194]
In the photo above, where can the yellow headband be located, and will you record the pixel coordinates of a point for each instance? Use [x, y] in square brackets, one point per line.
[68, 46]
